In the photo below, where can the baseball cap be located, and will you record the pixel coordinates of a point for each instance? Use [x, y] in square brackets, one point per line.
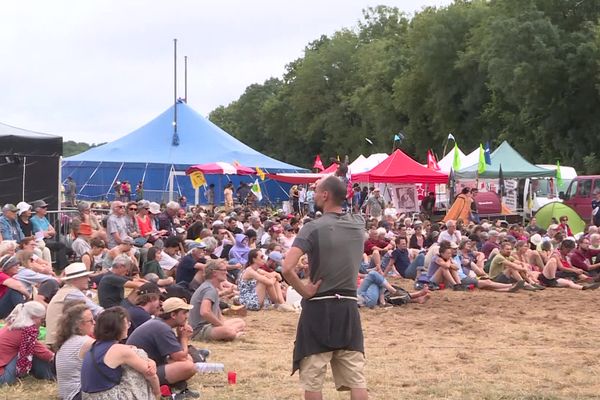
[127, 240]
[39, 204]
[453, 245]
[276, 256]
[173, 304]
[10, 207]
[196, 245]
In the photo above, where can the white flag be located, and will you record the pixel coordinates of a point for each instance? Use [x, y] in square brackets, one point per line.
[256, 190]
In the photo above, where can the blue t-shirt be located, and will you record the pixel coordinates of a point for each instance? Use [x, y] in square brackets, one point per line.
[185, 269]
[401, 260]
[39, 223]
[137, 315]
[157, 339]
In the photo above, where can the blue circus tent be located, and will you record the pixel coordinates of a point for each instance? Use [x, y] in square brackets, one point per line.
[152, 152]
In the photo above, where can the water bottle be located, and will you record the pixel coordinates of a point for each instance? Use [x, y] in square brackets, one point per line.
[209, 368]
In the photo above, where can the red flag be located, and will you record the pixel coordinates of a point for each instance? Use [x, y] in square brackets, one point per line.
[318, 163]
[349, 191]
[431, 161]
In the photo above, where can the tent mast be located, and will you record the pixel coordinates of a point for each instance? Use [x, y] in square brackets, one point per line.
[185, 79]
[175, 141]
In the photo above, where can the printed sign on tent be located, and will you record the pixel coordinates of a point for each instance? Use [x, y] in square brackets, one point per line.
[404, 198]
[510, 198]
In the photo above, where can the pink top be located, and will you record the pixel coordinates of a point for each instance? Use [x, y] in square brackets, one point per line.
[9, 347]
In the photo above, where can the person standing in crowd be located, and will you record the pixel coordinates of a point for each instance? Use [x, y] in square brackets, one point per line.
[118, 191]
[116, 371]
[329, 330]
[428, 205]
[73, 340]
[302, 200]
[310, 198]
[210, 196]
[228, 196]
[596, 208]
[295, 199]
[139, 191]
[71, 192]
[375, 205]
[356, 195]
[126, 191]
[9, 227]
[21, 353]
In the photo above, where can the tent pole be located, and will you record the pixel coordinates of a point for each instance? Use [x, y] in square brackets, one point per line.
[114, 179]
[185, 98]
[23, 187]
[175, 141]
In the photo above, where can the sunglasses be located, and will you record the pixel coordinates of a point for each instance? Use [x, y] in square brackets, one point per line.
[132, 209]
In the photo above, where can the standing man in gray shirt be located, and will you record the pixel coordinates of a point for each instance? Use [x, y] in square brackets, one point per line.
[329, 330]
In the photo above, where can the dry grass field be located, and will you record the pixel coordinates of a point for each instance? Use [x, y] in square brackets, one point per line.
[460, 345]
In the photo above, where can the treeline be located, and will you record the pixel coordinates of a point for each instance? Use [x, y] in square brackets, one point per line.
[70, 147]
[526, 71]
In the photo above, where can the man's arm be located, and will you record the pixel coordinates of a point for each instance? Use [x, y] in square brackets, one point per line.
[290, 261]
[207, 314]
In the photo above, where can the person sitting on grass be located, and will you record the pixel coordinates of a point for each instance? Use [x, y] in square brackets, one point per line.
[206, 319]
[372, 290]
[76, 281]
[506, 269]
[111, 290]
[12, 292]
[442, 269]
[73, 340]
[142, 305]
[21, 353]
[468, 277]
[259, 288]
[582, 257]
[166, 339]
[550, 274]
[116, 371]
[376, 247]
[470, 260]
[152, 266]
[401, 260]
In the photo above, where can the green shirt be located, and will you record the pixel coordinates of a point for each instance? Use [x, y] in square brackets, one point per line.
[153, 267]
[497, 266]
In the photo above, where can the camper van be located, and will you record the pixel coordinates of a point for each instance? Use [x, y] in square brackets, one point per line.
[544, 190]
[580, 194]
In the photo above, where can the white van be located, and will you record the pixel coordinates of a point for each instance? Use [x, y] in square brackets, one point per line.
[543, 191]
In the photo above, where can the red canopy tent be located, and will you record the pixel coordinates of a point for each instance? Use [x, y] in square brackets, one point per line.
[303, 178]
[400, 168]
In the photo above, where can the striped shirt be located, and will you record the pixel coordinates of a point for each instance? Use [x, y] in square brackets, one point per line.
[68, 367]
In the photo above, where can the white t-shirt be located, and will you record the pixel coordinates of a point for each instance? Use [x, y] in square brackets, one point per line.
[454, 238]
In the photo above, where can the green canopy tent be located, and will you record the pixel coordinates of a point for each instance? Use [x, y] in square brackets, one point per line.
[556, 210]
[514, 166]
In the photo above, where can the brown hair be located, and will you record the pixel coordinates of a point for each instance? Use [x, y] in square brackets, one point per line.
[111, 323]
[68, 324]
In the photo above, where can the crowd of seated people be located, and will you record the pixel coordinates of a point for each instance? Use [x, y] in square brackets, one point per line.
[146, 280]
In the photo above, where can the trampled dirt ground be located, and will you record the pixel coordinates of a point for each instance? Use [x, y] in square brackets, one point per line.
[459, 345]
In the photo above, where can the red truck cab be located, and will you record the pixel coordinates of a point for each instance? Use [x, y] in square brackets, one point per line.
[580, 194]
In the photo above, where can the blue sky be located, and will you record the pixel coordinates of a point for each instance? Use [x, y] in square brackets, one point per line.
[95, 70]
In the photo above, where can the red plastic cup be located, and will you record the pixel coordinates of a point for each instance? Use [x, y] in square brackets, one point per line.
[442, 286]
[471, 287]
[165, 391]
[232, 377]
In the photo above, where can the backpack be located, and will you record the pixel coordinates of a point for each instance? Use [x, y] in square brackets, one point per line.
[399, 298]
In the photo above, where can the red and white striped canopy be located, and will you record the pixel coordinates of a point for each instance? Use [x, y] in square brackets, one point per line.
[221, 168]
